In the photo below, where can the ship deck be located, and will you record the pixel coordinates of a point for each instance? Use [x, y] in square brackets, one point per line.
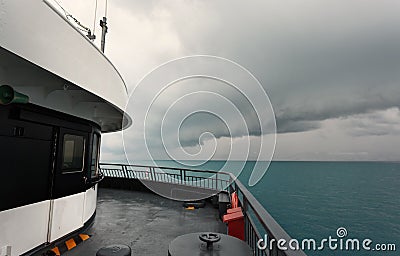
[144, 221]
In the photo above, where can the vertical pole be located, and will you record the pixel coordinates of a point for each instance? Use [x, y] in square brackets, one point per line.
[216, 181]
[246, 221]
[124, 167]
[103, 25]
[152, 173]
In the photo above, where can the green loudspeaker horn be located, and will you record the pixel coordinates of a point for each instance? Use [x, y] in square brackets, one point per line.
[8, 95]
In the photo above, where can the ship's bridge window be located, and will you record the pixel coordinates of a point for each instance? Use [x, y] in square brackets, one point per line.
[94, 165]
[73, 153]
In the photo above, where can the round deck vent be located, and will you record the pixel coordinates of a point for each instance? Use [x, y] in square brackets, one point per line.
[114, 250]
[207, 244]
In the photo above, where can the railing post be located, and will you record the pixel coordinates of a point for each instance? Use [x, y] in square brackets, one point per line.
[231, 188]
[152, 173]
[181, 173]
[124, 170]
[246, 222]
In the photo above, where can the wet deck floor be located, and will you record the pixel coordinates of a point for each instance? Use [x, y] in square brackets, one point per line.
[144, 221]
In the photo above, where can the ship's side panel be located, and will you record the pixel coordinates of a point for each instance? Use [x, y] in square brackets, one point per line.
[48, 175]
[90, 203]
[25, 161]
[25, 227]
[25, 177]
[67, 215]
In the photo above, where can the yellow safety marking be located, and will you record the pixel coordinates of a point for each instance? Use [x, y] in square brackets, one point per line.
[70, 244]
[190, 208]
[84, 237]
[56, 251]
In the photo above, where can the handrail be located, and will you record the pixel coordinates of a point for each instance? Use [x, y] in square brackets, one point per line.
[95, 180]
[250, 205]
[167, 168]
[217, 181]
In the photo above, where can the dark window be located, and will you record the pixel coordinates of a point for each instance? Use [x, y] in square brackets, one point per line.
[94, 165]
[73, 153]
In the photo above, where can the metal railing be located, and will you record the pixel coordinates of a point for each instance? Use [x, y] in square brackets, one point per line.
[193, 178]
[259, 224]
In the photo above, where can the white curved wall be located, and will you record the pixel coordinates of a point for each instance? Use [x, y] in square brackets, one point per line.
[34, 31]
[25, 227]
[90, 203]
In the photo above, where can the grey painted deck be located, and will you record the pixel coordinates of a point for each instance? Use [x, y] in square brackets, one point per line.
[144, 221]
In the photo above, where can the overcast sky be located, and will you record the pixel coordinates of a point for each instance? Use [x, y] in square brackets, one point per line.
[331, 69]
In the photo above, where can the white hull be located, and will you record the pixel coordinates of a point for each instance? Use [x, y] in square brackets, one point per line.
[29, 226]
[25, 227]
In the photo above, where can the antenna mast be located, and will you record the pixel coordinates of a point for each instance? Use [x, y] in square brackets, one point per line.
[103, 25]
[104, 28]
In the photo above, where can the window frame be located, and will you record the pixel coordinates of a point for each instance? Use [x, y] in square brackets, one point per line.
[97, 158]
[82, 167]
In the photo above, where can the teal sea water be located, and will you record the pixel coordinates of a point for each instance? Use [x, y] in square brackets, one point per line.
[314, 199]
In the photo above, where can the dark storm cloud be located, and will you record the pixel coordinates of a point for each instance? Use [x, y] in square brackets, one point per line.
[316, 59]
